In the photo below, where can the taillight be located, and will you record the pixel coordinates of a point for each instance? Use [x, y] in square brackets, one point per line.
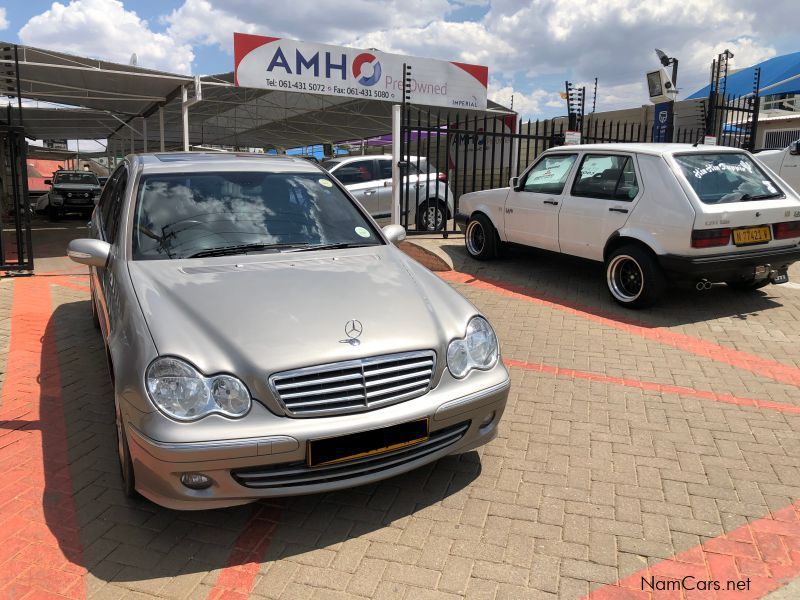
[709, 238]
[790, 229]
[442, 177]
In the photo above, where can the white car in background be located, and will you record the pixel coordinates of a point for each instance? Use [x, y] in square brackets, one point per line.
[650, 212]
[369, 179]
[785, 163]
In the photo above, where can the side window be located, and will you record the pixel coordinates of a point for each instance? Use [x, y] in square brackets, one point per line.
[550, 174]
[105, 196]
[117, 198]
[358, 171]
[385, 166]
[609, 177]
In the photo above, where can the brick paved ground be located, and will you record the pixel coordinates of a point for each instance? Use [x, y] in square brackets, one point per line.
[631, 441]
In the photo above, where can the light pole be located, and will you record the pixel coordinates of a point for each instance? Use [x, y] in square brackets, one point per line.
[667, 61]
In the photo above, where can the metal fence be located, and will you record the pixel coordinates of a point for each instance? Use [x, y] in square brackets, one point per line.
[16, 248]
[461, 154]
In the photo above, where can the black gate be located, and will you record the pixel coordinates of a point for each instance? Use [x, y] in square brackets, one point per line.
[16, 247]
[444, 155]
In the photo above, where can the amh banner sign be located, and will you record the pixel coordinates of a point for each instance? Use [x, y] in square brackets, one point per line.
[291, 66]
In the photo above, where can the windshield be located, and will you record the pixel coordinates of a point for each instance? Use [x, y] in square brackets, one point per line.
[87, 178]
[726, 177]
[329, 164]
[186, 214]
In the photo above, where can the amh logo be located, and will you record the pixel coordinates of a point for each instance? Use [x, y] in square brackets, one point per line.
[367, 69]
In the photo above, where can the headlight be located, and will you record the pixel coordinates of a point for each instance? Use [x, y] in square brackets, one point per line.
[476, 350]
[183, 393]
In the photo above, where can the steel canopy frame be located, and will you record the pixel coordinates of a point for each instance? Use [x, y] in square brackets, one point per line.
[135, 108]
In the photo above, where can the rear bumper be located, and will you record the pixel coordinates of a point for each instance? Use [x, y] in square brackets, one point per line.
[732, 265]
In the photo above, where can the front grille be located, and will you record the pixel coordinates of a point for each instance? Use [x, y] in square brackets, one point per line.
[298, 474]
[354, 385]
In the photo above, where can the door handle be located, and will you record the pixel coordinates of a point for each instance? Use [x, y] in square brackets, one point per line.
[553, 202]
[369, 192]
[618, 209]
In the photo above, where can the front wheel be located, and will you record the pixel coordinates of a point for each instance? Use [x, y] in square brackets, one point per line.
[481, 238]
[53, 213]
[634, 278]
[125, 462]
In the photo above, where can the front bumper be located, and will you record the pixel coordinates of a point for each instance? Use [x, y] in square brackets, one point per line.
[728, 266]
[244, 470]
[461, 219]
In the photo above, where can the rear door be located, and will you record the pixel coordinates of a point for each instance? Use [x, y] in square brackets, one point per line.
[531, 211]
[362, 179]
[605, 189]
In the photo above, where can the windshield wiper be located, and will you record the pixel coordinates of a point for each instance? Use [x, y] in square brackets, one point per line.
[330, 247]
[748, 197]
[238, 249]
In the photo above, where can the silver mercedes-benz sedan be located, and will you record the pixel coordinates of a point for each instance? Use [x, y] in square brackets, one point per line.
[266, 338]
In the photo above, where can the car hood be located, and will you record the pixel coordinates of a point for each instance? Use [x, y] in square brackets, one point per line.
[260, 314]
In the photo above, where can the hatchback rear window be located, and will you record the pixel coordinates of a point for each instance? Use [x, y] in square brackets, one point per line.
[719, 178]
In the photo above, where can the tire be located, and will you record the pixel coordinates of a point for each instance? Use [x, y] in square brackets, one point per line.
[747, 285]
[431, 215]
[53, 213]
[125, 462]
[95, 316]
[633, 277]
[480, 238]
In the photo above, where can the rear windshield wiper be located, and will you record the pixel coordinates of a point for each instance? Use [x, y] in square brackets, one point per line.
[330, 247]
[748, 197]
[239, 249]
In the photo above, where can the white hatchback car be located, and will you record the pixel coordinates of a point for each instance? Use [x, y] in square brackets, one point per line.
[369, 179]
[651, 212]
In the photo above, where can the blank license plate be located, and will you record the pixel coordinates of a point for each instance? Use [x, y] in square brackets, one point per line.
[751, 235]
[366, 443]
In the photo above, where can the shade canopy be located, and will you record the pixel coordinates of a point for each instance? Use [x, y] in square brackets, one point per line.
[779, 75]
[127, 105]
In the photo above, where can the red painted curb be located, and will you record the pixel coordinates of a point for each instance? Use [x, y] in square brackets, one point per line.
[236, 580]
[764, 555]
[657, 387]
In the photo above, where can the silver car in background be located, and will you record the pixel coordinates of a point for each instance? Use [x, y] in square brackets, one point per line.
[266, 338]
[369, 179]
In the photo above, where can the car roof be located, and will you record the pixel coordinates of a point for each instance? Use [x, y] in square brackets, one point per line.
[172, 162]
[644, 148]
[341, 159]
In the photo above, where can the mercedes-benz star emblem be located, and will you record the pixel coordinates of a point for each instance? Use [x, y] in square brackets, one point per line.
[352, 329]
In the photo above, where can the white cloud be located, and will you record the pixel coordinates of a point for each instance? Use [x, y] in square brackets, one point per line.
[104, 29]
[325, 21]
[526, 105]
[3, 18]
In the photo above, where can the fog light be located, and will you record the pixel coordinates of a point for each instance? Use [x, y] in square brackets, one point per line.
[487, 420]
[196, 481]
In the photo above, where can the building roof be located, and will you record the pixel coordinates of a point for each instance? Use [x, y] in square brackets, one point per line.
[779, 75]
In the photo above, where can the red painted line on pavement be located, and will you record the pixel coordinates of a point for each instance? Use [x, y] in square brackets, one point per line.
[735, 358]
[40, 549]
[236, 580]
[657, 387]
[767, 551]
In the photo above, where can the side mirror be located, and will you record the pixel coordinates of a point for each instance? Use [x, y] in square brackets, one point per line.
[394, 233]
[93, 253]
[794, 148]
[513, 183]
[48, 182]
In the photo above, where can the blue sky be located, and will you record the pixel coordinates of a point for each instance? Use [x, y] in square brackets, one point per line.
[530, 47]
